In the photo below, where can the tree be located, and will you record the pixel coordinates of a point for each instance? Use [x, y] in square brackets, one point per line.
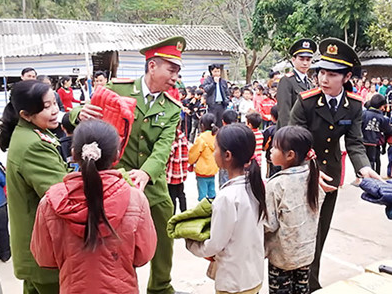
[280, 22]
[235, 16]
[380, 32]
[347, 12]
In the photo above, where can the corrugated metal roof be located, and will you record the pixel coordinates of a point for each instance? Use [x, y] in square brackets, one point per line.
[375, 53]
[31, 37]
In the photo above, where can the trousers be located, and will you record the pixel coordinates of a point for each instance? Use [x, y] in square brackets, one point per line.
[30, 287]
[161, 263]
[326, 213]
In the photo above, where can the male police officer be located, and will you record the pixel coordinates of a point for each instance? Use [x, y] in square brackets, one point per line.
[153, 131]
[296, 81]
[331, 112]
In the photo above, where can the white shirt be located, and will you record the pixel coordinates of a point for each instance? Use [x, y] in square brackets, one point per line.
[301, 75]
[237, 239]
[338, 98]
[146, 91]
[244, 107]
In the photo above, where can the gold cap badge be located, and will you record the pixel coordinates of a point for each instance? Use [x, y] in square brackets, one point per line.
[332, 49]
[306, 45]
[180, 46]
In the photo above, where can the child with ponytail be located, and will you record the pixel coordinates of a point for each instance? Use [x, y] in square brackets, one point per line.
[94, 226]
[237, 235]
[293, 197]
[202, 154]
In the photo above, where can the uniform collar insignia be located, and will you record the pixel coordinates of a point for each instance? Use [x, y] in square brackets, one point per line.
[346, 103]
[162, 101]
[320, 101]
[135, 90]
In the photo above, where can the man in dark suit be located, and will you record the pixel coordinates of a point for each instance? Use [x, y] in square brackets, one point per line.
[217, 92]
[331, 112]
[296, 81]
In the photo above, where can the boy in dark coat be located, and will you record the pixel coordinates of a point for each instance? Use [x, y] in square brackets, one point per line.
[374, 126]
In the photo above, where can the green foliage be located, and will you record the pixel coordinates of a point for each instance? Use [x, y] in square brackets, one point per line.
[281, 22]
[380, 32]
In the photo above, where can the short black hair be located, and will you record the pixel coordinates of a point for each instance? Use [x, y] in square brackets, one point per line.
[66, 123]
[254, 118]
[274, 111]
[229, 116]
[199, 92]
[247, 89]
[27, 69]
[100, 73]
[377, 101]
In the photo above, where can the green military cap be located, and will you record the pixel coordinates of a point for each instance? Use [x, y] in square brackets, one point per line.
[336, 54]
[303, 47]
[169, 49]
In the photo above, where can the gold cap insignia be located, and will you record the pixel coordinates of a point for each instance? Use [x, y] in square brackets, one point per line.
[180, 46]
[332, 49]
[306, 44]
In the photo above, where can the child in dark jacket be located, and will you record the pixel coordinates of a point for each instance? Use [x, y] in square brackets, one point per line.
[267, 142]
[374, 126]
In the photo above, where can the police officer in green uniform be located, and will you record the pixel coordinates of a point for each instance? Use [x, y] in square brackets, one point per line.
[33, 165]
[331, 112]
[296, 81]
[148, 149]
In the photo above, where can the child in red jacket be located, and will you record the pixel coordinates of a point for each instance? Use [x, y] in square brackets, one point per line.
[94, 226]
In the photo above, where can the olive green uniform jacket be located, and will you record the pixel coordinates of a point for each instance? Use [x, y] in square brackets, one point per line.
[312, 112]
[153, 133]
[33, 165]
[288, 89]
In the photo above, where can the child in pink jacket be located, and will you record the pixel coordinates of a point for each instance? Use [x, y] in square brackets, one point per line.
[94, 226]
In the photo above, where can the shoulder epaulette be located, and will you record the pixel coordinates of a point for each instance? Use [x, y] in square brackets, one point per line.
[122, 81]
[290, 74]
[172, 99]
[45, 137]
[354, 96]
[310, 93]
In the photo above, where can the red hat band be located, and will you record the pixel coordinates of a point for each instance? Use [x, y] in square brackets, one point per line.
[165, 52]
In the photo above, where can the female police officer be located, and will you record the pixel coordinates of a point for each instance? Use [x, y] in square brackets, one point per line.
[331, 112]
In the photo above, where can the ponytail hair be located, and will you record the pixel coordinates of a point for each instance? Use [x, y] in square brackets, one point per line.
[300, 140]
[95, 144]
[241, 142]
[208, 123]
[26, 96]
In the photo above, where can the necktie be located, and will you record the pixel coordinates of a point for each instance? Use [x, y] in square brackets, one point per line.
[149, 99]
[333, 106]
[307, 83]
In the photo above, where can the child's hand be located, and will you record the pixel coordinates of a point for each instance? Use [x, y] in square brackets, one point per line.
[327, 188]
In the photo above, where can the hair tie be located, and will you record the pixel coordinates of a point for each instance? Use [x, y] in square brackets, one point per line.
[91, 151]
[311, 154]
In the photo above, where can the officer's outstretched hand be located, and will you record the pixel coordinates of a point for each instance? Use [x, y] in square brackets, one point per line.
[326, 188]
[368, 172]
[139, 178]
[90, 111]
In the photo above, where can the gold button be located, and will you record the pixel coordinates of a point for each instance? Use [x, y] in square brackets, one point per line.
[324, 162]
[141, 154]
[141, 137]
[328, 139]
[331, 127]
[145, 120]
[326, 151]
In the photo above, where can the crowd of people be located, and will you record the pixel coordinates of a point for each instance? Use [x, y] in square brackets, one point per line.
[86, 209]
